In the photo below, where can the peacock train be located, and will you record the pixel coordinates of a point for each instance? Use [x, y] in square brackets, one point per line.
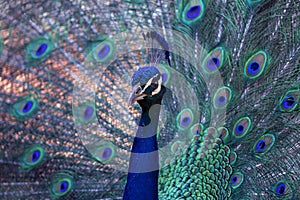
[150, 99]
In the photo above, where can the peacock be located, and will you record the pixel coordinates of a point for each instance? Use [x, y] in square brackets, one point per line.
[150, 99]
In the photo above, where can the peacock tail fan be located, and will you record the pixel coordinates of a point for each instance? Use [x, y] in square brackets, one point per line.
[229, 120]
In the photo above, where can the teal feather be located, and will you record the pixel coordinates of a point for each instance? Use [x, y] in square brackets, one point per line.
[229, 121]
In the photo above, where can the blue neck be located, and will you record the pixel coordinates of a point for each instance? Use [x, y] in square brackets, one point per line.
[142, 180]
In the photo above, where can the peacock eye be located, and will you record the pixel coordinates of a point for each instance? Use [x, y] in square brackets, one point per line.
[138, 90]
[236, 180]
[282, 189]
[61, 185]
[154, 85]
[32, 157]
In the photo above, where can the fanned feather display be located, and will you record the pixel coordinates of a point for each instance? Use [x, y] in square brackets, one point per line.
[229, 120]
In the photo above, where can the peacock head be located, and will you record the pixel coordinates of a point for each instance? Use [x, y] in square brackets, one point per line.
[147, 88]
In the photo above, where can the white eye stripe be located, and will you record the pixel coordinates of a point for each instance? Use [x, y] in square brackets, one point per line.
[157, 90]
[149, 82]
[139, 89]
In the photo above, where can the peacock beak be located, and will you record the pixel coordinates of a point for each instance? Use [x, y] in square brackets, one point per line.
[136, 95]
[151, 88]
